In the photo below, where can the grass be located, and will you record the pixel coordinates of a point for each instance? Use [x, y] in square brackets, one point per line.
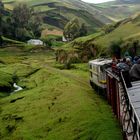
[124, 31]
[6, 83]
[7, 40]
[63, 11]
[127, 30]
[81, 41]
[55, 104]
[43, 8]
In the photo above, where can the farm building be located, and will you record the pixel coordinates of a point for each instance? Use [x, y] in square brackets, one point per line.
[35, 42]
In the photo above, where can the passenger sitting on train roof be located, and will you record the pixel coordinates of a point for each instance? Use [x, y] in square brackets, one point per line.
[114, 63]
[123, 65]
[129, 63]
[126, 55]
[135, 59]
[135, 71]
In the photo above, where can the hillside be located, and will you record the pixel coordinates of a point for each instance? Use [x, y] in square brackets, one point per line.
[54, 105]
[118, 10]
[96, 45]
[128, 1]
[56, 13]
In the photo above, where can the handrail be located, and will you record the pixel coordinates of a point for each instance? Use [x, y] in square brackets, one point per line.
[136, 120]
[126, 90]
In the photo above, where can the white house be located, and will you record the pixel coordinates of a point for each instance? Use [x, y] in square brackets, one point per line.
[64, 39]
[35, 42]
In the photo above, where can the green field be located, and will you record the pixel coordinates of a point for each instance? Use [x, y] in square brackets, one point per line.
[55, 104]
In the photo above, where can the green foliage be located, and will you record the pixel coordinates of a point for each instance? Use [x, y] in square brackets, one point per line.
[23, 34]
[73, 29]
[21, 15]
[115, 48]
[53, 41]
[27, 25]
[11, 41]
[83, 30]
[108, 28]
[131, 46]
[68, 65]
[21, 23]
[35, 24]
[6, 82]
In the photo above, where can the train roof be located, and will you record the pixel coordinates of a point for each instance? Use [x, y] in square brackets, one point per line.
[100, 61]
[134, 97]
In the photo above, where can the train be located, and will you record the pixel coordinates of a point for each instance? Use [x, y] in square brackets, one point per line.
[124, 99]
[97, 69]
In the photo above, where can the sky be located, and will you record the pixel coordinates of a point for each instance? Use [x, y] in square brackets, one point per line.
[96, 1]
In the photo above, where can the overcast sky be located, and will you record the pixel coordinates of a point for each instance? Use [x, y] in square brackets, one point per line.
[96, 1]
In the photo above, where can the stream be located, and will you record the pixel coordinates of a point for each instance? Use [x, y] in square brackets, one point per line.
[17, 88]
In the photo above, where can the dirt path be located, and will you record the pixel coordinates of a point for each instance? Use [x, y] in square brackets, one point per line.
[80, 80]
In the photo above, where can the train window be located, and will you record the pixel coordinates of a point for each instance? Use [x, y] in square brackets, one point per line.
[90, 66]
[91, 74]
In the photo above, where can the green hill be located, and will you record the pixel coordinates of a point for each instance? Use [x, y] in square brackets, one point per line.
[54, 105]
[95, 45]
[56, 13]
[118, 10]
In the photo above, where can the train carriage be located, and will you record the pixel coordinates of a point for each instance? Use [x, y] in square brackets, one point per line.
[125, 100]
[97, 72]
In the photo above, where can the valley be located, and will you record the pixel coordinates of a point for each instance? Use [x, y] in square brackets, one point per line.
[45, 47]
[52, 102]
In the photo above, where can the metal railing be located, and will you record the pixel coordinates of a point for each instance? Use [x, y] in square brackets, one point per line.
[130, 121]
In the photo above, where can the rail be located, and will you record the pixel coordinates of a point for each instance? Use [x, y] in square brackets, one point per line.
[134, 121]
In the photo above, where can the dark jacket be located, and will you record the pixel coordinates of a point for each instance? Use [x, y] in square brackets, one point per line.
[135, 72]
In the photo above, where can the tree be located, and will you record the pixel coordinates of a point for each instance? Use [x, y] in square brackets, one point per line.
[71, 30]
[83, 30]
[21, 15]
[1, 20]
[35, 25]
[26, 23]
[108, 28]
[115, 48]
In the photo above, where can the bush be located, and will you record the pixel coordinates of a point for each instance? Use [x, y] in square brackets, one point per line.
[52, 40]
[115, 48]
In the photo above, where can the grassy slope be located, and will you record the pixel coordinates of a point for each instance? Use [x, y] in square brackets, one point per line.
[6, 82]
[117, 11]
[60, 12]
[55, 104]
[105, 12]
[81, 42]
[129, 30]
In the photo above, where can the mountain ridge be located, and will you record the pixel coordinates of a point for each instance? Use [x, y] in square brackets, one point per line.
[64, 11]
